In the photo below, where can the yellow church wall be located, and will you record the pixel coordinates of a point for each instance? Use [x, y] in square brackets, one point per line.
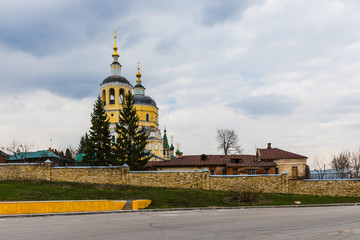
[117, 105]
[151, 146]
[142, 110]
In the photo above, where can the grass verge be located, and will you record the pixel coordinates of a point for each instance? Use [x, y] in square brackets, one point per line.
[161, 197]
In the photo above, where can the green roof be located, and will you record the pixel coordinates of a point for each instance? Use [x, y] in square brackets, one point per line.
[29, 155]
[79, 158]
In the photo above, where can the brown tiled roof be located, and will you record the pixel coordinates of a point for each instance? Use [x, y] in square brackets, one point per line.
[213, 160]
[275, 153]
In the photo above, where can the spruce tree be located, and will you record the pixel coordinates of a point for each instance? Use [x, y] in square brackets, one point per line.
[97, 149]
[81, 146]
[132, 139]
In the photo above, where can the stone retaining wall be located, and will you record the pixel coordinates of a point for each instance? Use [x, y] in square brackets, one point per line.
[349, 187]
[179, 179]
[24, 171]
[257, 183]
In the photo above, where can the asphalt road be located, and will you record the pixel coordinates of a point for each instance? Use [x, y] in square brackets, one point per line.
[259, 223]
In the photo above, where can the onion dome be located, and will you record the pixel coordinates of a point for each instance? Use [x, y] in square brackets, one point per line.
[144, 100]
[138, 88]
[116, 78]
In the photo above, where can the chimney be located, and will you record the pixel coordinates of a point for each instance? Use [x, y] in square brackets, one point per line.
[269, 146]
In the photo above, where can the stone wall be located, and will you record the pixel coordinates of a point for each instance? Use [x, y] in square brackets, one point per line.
[180, 179]
[24, 171]
[169, 179]
[100, 175]
[256, 183]
[325, 187]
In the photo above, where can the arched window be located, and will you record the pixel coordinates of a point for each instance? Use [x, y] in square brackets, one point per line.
[113, 138]
[121, 95]
[103, 97]
[112, 96]
[147, 117]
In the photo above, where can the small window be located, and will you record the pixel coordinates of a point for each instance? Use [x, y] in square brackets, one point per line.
[235, 160]
[224, 172]
[103, 97]
[121, 95]
[294, 171]
[266, 171]
[147, 117]
[113, 138]
[112, 96]
[156, 146]
[251, 171]
[212, 172]
[276, 171]
[235, 171]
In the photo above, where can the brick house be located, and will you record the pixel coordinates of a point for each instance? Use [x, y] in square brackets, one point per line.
[266, 161]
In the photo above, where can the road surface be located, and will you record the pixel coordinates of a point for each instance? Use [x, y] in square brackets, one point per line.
[258, 223]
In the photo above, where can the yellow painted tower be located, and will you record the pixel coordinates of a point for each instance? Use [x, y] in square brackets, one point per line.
[113, 89]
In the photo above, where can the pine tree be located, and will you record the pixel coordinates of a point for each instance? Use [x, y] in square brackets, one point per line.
[82, 143]
[68, 154]
[97, 149]
[131, 141]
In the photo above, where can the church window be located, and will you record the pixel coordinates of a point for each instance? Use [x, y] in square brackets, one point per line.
[112, 96]
[103, 97]
[147, 117]
[121, 95]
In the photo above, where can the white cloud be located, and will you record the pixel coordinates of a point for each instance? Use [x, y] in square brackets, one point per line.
[301, 56]
[37, 117]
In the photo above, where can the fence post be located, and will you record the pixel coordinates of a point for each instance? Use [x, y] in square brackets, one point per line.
[48, 170]
[124, 174]
[285, 182]
[205, 179]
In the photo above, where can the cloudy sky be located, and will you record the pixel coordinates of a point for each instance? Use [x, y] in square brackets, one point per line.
[279, 71]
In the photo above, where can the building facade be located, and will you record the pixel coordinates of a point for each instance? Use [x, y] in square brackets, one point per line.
[113, 90]
[266, 161]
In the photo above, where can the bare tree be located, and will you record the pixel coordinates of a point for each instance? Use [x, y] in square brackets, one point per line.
[355, 164]
[341, 163]
[320, 168]
[228, 141]
[17, 147]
